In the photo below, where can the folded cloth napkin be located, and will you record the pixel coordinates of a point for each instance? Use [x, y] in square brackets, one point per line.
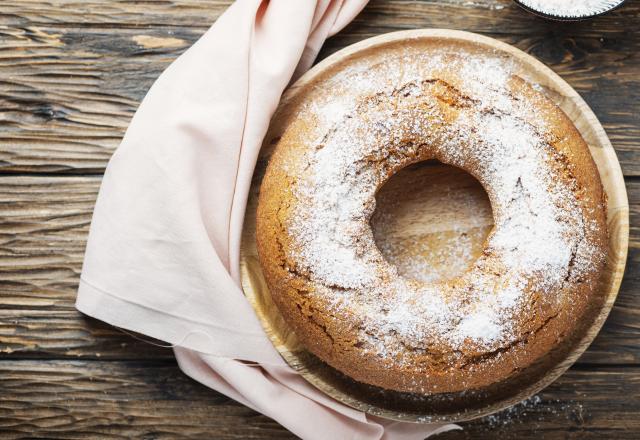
[163, 251]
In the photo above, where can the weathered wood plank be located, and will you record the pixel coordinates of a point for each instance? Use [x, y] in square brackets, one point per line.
[582, 404]
[42, 334]
[53, 399]
[44, 223]
[108, 13]
[72, 73]
[43, 229]
[118, 400]
[200, 14]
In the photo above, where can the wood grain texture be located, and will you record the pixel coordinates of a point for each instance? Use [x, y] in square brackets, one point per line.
[72, 73]
[44, 222]
[567, 410]
[121, 400]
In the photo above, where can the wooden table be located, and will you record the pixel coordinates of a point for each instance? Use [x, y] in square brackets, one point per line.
[72, 73]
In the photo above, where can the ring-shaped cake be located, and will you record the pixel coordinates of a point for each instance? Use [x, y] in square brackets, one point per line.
[529, 292]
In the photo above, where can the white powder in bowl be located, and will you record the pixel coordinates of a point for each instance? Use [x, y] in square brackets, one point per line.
[571, 8]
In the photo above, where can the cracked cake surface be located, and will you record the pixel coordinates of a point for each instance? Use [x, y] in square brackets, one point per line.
[537, 280]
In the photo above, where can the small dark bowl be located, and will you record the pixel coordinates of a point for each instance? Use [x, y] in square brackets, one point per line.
[548, 16]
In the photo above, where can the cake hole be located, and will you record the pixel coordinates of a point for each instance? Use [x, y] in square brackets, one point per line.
[431, 221]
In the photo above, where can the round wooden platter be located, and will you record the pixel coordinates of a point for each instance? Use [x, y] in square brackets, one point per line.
[429, 225]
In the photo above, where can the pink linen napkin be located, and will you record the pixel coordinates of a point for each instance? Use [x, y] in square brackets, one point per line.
[163, 252]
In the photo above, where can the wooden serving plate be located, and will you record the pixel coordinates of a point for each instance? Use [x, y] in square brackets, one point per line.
[438, 226]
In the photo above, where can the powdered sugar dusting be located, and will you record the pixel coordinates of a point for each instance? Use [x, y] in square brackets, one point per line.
[378, 127]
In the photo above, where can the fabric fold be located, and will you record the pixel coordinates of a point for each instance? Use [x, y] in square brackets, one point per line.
[162, 257]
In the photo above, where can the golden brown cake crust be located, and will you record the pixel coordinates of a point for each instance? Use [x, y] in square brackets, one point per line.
[529, 293]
